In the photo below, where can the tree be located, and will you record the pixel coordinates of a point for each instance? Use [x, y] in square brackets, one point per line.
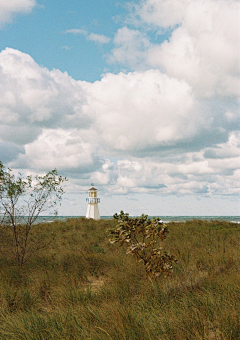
[142, 237]
[22, 199]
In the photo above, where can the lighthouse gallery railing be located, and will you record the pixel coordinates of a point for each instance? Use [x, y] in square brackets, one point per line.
[93, 200]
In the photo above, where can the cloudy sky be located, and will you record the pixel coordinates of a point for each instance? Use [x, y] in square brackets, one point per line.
[139, 97]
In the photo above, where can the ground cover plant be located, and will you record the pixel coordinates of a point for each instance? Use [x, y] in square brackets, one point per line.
[83, 287]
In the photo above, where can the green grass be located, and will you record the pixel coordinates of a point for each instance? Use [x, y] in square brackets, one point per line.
[82, 287]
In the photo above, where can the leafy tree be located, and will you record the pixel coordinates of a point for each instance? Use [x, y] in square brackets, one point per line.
[142, 237]
[22, 199]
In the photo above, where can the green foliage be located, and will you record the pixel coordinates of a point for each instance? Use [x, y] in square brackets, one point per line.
[142, 237]
[21, 202]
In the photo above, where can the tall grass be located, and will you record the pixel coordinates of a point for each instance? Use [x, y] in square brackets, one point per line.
[82, 287]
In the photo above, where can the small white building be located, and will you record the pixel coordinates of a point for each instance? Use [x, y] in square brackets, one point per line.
[92, 209]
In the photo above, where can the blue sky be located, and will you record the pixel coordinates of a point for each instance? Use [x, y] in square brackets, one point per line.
[42, 35]
[139, 97]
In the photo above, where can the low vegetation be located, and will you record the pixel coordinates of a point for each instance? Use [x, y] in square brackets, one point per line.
[143, 237]
[83, 287]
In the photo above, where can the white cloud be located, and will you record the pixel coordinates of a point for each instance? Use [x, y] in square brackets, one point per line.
[34, 96]
[208, 62]
[58, 148]
[140, 110]
[203, 48]
[131, 48]
[187, 173]
[227, 150]
[77, 31]
[158, 12]
[100, 178]
[67, 48]
[99, 38]
[141, 132]
[8, 8]
[108, 165]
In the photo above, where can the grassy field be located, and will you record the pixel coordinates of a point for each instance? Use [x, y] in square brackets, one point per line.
[82, 287]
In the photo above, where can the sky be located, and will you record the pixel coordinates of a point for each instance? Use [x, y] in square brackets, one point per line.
[140, 98]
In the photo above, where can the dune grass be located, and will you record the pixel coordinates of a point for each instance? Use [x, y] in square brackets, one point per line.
[82, 287]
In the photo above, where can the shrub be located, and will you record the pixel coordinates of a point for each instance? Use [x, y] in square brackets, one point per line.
[142, 237]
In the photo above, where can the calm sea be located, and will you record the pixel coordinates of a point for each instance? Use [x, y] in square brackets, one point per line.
[234, 219]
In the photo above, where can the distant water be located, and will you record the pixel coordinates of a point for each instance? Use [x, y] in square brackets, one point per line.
[166, 219]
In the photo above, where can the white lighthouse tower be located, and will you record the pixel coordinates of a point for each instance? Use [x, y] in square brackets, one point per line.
[92, 209]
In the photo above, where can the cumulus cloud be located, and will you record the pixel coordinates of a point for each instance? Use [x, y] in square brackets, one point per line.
[141, 110]
[63, 149]
[9, 8]
[186, 173]
[31, 95]
[131, 48]
[203, 48]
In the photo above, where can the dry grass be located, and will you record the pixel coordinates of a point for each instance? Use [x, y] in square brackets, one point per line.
[82, 287]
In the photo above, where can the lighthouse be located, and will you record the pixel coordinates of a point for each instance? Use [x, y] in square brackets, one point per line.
[92, 209]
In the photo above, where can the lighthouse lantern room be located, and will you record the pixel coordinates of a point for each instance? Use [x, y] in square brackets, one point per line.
[92, 209]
